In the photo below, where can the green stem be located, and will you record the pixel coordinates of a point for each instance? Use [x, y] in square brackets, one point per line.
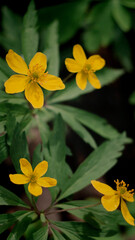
[70, 209]
[68, 76]
[34, 205]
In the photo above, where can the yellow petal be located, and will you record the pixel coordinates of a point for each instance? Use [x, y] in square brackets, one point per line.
[79, 54]
[47, 182]
[51, 82]
[96, 62]
[128, 197]
[19, 178]
[34, 95]
[41, 169]
[94, 80]
[81, 80]
[103, 188]
[40, 61]
[72, 65]
[110, 203]
[34, 189]
[16, 62]
[16, 83]
[126, 214]
[26, 167]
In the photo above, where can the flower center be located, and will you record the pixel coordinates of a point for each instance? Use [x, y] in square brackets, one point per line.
[36, 72]
[33, 178]
[122, 188]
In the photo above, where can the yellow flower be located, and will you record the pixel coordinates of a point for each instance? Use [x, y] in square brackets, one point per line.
[84, 67]
[30, 78]
[34, 178]
[113, 198]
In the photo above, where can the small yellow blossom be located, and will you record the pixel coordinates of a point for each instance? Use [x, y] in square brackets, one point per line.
[29, 79]
[113, 198]
[34, 178]
[84, 67]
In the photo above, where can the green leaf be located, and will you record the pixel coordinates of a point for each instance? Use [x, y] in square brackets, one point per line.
[57, 235]
[95, 214]
[55, 154]
[52, 48]
[7, 220]
[41, 234]
[89, 120]
[10, 37]
[21, 226]
[3, 78]
[11, 121]
[77, 230]
[32, 228]
[132, 98]
[75, 125]
[30, 36]
[5, 69]
[106, 76]
[14, 109]
[95, 165]
[37, 156]
[62, 12]
[128, 3]
[19, 142]
[9, 198]
[3, 148]
[101, 29]
[121, 16]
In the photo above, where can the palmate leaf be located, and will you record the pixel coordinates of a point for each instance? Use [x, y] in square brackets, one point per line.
[89, 120]
[122, 16]
[73, 122]
[95, 165]
[21, 226]
[18, 148]
[106, 76]
[41, 234]
[11, 29]
[30, 36]
[51, 48]
[9, 198]
[55, 154]
[3, 148]
[77, 230]
[57, 235]
[7, 220]
[62, 12]
[95, 213]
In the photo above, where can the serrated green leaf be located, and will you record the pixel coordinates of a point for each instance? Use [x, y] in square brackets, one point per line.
[14, 109]
[89, 120]
[101, 29]
[7, 220]
[21, 226]
[41, 234]
[121, 16]
[95, 165]
[132, 98]
[19, 142]
[11, 26]
[9, 198]
[51, 48]
[3, 148]
[75, 125]
[55, 154]
[106, 76]
[128, 3]
[77, 230]
[30, 36]
[57, 235]
[62, 12]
